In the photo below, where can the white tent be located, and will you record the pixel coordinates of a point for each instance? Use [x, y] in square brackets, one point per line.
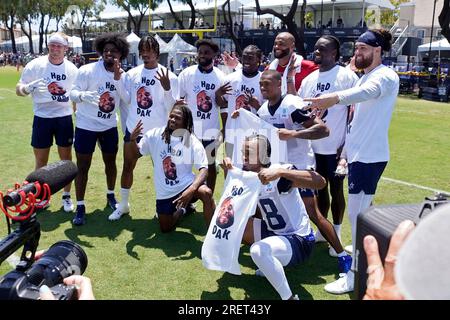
[177, 49]
[161, 42]
[133, 57]
[22, 43]
[441, 45]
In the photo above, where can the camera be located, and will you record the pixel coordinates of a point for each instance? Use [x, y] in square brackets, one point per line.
[381, 222]
[61, 260]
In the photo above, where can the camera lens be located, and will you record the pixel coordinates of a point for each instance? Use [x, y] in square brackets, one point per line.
[63, 259]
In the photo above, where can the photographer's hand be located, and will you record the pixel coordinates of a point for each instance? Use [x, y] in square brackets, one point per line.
[83, 285]
[381, 284]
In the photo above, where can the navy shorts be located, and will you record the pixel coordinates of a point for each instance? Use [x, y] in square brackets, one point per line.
[364, 176]
[45, 128]
[326, 166]
[210, 148]
[126, 137]
[302, 246]
[165, 206]
[85, 140]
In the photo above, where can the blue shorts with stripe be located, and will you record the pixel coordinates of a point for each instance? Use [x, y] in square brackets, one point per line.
[364, 176]
[85, 140]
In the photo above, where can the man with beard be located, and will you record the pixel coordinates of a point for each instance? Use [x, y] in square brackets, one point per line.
[149, 91]
[204, 79]
[225, 218]
[94, 124]
[329, 78]
[177, 141]
[169, 168]
[292, 66]
[51, 106]
[366, 146]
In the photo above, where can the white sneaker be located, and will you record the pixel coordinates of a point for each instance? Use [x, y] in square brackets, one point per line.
[118, 213]
[295, 297]
[67, 204]
[344, 284]
[332, 252]
[319, 237]
[349, 249]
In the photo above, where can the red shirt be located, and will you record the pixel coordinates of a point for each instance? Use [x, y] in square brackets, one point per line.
[306, 68]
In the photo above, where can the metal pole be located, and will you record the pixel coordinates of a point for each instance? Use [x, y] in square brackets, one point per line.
[432, 29]
[321, 18]
[362, 13]
[332, 19]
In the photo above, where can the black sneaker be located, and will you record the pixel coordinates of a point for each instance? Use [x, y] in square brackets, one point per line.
[80, 217]
[111, 201]
[190, 209]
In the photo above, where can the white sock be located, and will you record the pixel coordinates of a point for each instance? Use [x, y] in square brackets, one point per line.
[66, 193]
[124, 196]
[337, 228]
[109, 191]
[342, 254]
[80, 203]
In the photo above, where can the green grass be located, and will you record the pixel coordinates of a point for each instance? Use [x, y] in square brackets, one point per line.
[131, 259]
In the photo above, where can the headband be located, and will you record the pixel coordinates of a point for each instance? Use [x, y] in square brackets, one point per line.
[56, 38]
[372, 39]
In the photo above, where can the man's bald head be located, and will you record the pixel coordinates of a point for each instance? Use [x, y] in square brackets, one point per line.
[284, 46]
[286, 36]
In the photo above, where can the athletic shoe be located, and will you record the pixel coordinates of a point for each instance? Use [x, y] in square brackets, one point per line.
[190, 209]
[111, 201]
[295, 297]
[80, 217]
[332, 252]
[344, 284]
[67, 204]
[344, 263]
[349, 249]
[118, 213]
[319, 237]
[43, 204]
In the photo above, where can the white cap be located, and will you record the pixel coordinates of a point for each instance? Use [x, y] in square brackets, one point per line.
[422, 271]
[57, 38]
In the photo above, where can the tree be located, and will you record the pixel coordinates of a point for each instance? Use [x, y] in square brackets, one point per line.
[444, 20]
[139, 5]
[8, 16]
[288, 20]
[229, 24]
[179, 21]
[26, 13]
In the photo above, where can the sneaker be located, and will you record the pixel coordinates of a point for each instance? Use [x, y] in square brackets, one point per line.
[319, 237]
[42, 205]
[190, 209]
[259, 273]
[67, 204]
[349, 249]
[118, 213]
[80, 217]
[295, 297]
[111, 201]
[344, 263]
[332, 252]
[344, 284]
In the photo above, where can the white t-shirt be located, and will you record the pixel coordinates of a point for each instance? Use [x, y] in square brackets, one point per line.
[199, 91]
[374, 96]
[220, 250]
[318, 83]
[172, 162]
[59, 79]
[241, 84]
[282, 207]
[149, 101]
[101, 117]
[300, 152]
[248, 124]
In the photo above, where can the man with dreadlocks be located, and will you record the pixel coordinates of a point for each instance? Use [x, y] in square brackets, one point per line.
[175, 150]
[149, 91]
[97, 100]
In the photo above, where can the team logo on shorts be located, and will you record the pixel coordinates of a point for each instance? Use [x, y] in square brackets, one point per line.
[204, 102]
[106, 103]
[225, 218]
[55, 89]
[169, 168]
[144, 98]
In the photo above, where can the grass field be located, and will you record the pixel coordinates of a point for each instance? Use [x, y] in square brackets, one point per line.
[131, 259]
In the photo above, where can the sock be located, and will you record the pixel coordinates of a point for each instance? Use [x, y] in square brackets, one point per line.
[109, 191]
[80, 203]
[65, 194]
[342, 254]
[337, 228]
[124, 195]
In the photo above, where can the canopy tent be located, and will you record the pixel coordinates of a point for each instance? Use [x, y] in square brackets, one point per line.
[133, 57]
[22, 44]
[161, 42]
[178, 49]
[435, 46]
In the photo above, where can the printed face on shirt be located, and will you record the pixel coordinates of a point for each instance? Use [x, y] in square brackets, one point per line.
[144, 98]
[204, 102]
[106, 103]
[225, 218]
[242, 102]
[170, 169]
[55, 89]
